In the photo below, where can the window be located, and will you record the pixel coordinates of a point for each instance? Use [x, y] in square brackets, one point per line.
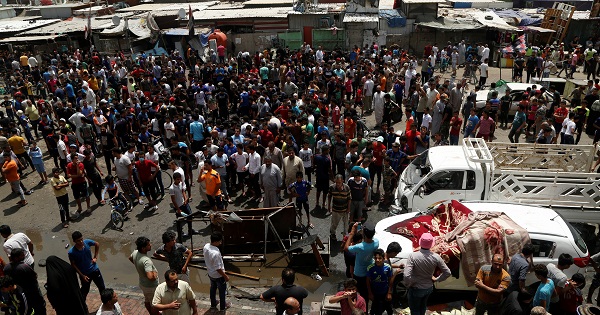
[542, 248]
[471, 181]
[445, 180]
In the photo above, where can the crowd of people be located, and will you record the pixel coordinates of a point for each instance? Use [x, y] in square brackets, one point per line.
[257, 126]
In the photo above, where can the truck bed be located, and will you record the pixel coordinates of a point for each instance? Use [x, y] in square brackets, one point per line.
[550, 189]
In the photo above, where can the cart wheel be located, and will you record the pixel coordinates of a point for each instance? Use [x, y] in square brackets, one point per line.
[117, 219]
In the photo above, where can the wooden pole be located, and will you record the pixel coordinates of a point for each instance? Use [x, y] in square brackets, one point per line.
[231, 273]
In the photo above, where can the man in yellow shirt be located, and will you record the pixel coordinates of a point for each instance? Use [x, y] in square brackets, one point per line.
[492, 280]
[24, 60]
[59, 187]
[213, 186]
[17, 144]
[31, 111]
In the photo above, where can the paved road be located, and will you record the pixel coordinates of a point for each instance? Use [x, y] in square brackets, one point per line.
[41, 221]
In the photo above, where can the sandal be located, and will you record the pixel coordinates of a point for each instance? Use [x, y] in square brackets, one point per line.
[23, 203]
[311, 226]
[66, 225]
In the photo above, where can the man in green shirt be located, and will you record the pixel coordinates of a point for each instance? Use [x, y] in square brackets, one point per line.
[146, 271]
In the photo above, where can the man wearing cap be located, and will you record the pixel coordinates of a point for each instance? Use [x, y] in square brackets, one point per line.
[364, 255]
[419, 280]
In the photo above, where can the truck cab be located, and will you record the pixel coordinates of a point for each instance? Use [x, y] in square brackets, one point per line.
[443, 173]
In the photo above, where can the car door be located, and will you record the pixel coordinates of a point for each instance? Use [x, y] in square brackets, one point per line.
[441, 185]
[544, 252]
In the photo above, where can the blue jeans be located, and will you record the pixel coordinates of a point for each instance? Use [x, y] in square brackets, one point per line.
[453, 140]
[222, 286]
[417, 300]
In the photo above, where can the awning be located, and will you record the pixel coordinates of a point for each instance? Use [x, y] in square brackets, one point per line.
[360, 18]
[492, 20]
[137, 27]
[447, 24]
[29, 38]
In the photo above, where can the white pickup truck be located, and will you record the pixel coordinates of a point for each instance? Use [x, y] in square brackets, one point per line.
[553, 176]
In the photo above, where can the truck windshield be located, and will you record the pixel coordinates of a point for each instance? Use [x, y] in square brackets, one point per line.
[418, 168]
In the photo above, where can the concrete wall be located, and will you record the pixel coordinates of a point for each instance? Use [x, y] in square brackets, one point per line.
[299, 21]
[251, 42]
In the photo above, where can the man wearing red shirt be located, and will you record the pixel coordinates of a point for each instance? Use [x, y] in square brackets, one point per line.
[377, 166]
[559, 116]
[147, 172]
[284, 110]
[455, 124]
[76, 172]
[266, 136]
[411, 136]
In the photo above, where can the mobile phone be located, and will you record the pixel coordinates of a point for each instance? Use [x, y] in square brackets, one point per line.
[359, 227]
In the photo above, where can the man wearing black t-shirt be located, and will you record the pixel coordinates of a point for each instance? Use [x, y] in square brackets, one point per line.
[280, 293]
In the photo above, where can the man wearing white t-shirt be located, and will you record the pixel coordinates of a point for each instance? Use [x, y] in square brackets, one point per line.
[483, 69]
[17, 240]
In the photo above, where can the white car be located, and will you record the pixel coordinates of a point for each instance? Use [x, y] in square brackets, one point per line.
[516, 93]
[550, 234]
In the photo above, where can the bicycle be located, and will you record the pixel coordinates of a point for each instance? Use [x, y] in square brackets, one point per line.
[441, 65]
[120, 207]
[471, 73]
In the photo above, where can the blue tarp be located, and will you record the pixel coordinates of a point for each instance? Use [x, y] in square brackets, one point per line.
[393, 18]
[204, 38]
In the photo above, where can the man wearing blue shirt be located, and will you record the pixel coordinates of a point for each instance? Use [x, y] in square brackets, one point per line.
[84, 263]
[518, 124]
[196, 133]
[364, 256]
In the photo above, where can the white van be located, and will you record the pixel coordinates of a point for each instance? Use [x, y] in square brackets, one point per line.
[550, 234]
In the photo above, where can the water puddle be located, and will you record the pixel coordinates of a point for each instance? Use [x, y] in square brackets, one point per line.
[116, 267]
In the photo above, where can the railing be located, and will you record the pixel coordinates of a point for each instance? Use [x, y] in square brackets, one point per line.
[549, 157]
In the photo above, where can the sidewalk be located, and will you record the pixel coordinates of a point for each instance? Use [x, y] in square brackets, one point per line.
[132, 303]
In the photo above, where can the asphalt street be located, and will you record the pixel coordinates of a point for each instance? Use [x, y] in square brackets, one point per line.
[40, 220]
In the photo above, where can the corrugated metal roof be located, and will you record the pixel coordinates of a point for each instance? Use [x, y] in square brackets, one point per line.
[12, 25]
[169, 6]
[360, 18]
[241, 14]
[28, 38]
[278, 3]
[69, 26]
[423, 1]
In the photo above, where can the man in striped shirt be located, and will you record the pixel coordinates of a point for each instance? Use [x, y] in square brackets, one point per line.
[339, 193]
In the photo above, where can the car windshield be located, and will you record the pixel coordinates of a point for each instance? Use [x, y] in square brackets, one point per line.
[418, 168]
